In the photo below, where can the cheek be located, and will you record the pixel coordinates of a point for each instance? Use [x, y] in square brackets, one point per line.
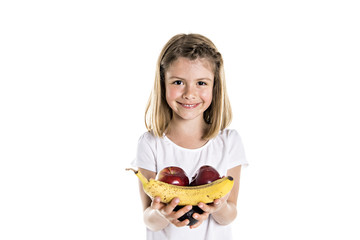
[207, 96]
[171, 93]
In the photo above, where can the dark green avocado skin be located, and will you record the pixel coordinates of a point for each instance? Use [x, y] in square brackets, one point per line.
[188, 215]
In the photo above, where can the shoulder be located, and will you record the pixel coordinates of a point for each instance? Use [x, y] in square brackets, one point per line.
[227, 138]
[234, 148]
[229, 135]
[148, 138]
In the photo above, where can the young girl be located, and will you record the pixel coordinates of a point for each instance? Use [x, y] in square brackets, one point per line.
[187, 115]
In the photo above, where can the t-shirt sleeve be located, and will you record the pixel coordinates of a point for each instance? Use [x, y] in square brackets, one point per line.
[145, 153]
[236, 153]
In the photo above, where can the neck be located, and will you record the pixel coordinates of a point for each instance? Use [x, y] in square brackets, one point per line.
[191, 128]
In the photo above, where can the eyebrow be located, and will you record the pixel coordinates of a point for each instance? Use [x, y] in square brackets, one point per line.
[175, 77]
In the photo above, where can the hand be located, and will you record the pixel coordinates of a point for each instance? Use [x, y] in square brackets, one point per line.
[209, 209]
[167, 210]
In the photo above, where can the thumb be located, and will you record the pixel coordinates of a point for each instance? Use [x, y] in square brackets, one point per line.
[156, 204]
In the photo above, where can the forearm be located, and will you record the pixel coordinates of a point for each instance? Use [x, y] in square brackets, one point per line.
[226, 214]
[154, 220]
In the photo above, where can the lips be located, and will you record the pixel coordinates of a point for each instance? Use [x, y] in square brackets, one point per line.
[189, 106]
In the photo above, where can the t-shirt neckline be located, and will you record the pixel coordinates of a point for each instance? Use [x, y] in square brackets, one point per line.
[186, 149]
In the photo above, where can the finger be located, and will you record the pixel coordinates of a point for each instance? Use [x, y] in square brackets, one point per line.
[181, 223]
[204, 207]
[156, 204]
[196, 225]
[201, 217]
[182, 211]
[217, 202]
[170, 207]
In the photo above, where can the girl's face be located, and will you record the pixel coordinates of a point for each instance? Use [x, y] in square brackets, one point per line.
[188, 86]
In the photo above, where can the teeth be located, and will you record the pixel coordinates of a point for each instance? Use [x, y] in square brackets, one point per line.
[186, 105]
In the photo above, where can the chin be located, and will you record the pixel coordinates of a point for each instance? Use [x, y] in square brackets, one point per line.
[189, 117]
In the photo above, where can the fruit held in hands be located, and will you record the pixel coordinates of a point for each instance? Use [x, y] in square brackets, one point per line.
[206, 174]
[188, 195]
[174, 176]
[209, 186]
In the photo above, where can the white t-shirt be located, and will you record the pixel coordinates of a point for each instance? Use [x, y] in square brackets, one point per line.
[223, 152]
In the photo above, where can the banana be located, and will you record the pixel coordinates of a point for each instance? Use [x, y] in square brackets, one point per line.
[188, 195]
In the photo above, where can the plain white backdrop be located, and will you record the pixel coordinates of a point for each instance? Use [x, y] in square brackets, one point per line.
[75, 78]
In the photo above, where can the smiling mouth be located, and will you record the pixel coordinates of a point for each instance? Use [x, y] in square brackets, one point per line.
[189, 106]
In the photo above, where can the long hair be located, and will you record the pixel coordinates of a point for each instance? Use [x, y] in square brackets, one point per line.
[192, 46]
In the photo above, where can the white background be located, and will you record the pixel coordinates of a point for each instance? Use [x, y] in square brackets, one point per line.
[75, 78]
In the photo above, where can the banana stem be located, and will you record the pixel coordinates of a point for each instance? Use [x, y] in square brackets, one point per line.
[128, 169]
[139, 175]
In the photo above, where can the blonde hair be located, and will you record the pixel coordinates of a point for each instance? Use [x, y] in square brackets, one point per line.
[192, 46]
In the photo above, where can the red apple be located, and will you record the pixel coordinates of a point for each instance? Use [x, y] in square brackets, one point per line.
[206, 174]
[173, 175]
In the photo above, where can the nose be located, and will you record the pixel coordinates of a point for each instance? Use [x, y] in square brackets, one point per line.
[189, 93]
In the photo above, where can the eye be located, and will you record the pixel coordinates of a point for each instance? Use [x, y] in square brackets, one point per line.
[202, 83]
[177, 82]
